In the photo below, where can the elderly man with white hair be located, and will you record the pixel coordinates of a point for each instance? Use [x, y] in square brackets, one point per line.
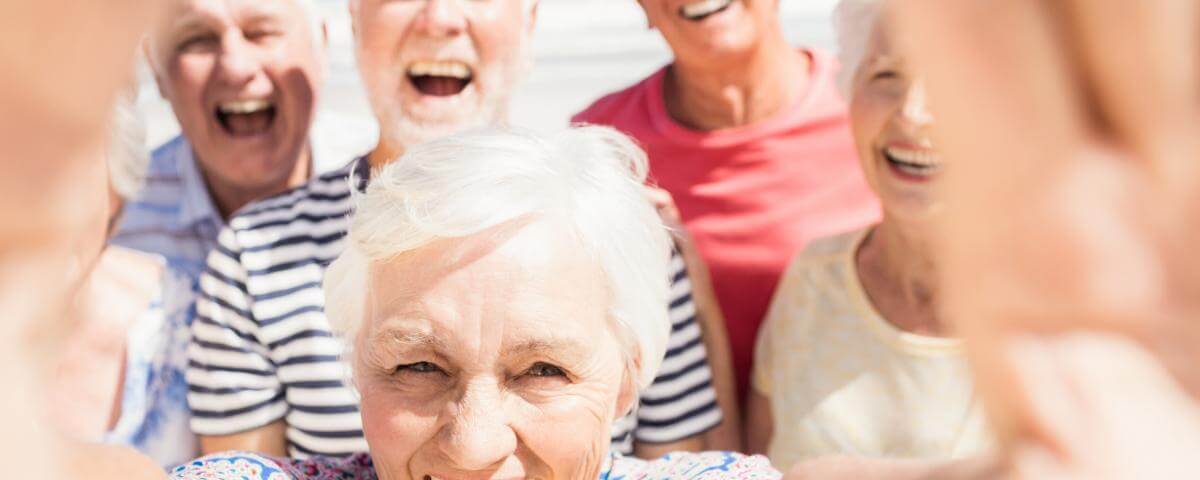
[265, 367]
[474, 351]
[243, 78]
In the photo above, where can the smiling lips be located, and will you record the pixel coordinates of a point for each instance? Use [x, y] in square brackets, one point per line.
[440, 78]
[246, 118]
[921, 164]
[703, 8]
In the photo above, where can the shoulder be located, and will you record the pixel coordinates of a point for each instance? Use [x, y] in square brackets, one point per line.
[816, 282]
[827, 251]
[328, 192]
[696, 466]
[605, 110]
[250, 466]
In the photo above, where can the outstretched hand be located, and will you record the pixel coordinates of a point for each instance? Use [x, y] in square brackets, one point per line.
[1075, 195]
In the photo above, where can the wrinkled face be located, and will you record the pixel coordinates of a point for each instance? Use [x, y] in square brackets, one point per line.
[892, 132]
[482, 358]
[706, 29]
[436, 67]
[242, 77]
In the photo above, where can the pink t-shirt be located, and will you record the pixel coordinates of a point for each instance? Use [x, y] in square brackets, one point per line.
[751, 197]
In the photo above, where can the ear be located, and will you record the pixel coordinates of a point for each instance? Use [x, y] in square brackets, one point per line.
[628, 395]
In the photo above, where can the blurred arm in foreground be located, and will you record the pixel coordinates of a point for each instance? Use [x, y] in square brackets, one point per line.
[63, 62]
[1075, 190]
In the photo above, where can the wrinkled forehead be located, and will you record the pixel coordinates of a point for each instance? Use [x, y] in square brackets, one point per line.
[185, 13]
[525, 280]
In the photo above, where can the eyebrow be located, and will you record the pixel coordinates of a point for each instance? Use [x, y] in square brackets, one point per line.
[564, 349]
[407, 339]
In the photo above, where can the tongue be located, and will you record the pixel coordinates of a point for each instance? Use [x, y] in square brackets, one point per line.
[245, 124]
[439, 86]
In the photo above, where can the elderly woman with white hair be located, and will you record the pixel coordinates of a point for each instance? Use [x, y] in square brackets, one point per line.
[502, 300]
[854, 359]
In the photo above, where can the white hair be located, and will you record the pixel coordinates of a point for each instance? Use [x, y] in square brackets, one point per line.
[127, 155]
[855, 23]
[587, 178]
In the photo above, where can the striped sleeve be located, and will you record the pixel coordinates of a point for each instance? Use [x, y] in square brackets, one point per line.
[681, 402]
[232, 382]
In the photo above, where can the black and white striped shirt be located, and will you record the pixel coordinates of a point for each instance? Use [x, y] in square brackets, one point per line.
[262, 348]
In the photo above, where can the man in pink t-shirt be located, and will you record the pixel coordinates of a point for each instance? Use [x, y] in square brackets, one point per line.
[750, 137]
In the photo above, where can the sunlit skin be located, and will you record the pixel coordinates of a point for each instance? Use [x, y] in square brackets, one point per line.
[888, 114]
[490, 38]
[211, 54]
[482, 358]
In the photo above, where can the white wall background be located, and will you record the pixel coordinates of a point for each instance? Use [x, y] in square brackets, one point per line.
[583, 49]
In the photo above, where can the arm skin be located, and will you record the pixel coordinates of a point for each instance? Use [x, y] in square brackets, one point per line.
[657, 450]
[760, 423]
[728, 435]
[268, 440]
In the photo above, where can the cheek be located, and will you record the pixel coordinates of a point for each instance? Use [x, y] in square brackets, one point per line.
[393, 429]
[566, 428]
[187, 79]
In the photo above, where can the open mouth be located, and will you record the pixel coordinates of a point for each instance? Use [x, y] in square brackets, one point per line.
[913, 163]
[440, 78]
[245, 118]
[703, 9]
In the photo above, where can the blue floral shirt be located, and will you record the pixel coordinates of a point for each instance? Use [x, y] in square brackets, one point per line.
[154, 410]
[676, 466]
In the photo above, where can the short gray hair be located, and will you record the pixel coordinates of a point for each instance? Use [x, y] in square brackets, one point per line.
[855, 22]
[127, 155]
[590, 179]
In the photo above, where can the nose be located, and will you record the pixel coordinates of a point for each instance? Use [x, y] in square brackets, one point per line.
[916, 105]
[478, 436]
[237, 64]
[442, 18]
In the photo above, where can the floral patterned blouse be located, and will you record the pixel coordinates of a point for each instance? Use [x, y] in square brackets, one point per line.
[676, 466]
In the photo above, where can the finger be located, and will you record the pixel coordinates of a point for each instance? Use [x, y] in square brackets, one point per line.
[1140, 58]
[659, 197]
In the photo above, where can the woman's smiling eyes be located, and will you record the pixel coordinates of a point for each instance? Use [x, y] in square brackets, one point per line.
[419, 367]
[537, 371]
[541, 369]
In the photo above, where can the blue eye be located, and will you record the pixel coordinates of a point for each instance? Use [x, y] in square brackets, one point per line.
[545, 370]
[419, 367]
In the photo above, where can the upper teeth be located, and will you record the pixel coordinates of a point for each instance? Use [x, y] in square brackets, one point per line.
[915, 157]
[245, 106]
[704, 7]
[440, 69]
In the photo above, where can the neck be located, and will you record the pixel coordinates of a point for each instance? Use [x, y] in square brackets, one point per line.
[229, 199]
[384, 153]
[707, 95]
[898, 270]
